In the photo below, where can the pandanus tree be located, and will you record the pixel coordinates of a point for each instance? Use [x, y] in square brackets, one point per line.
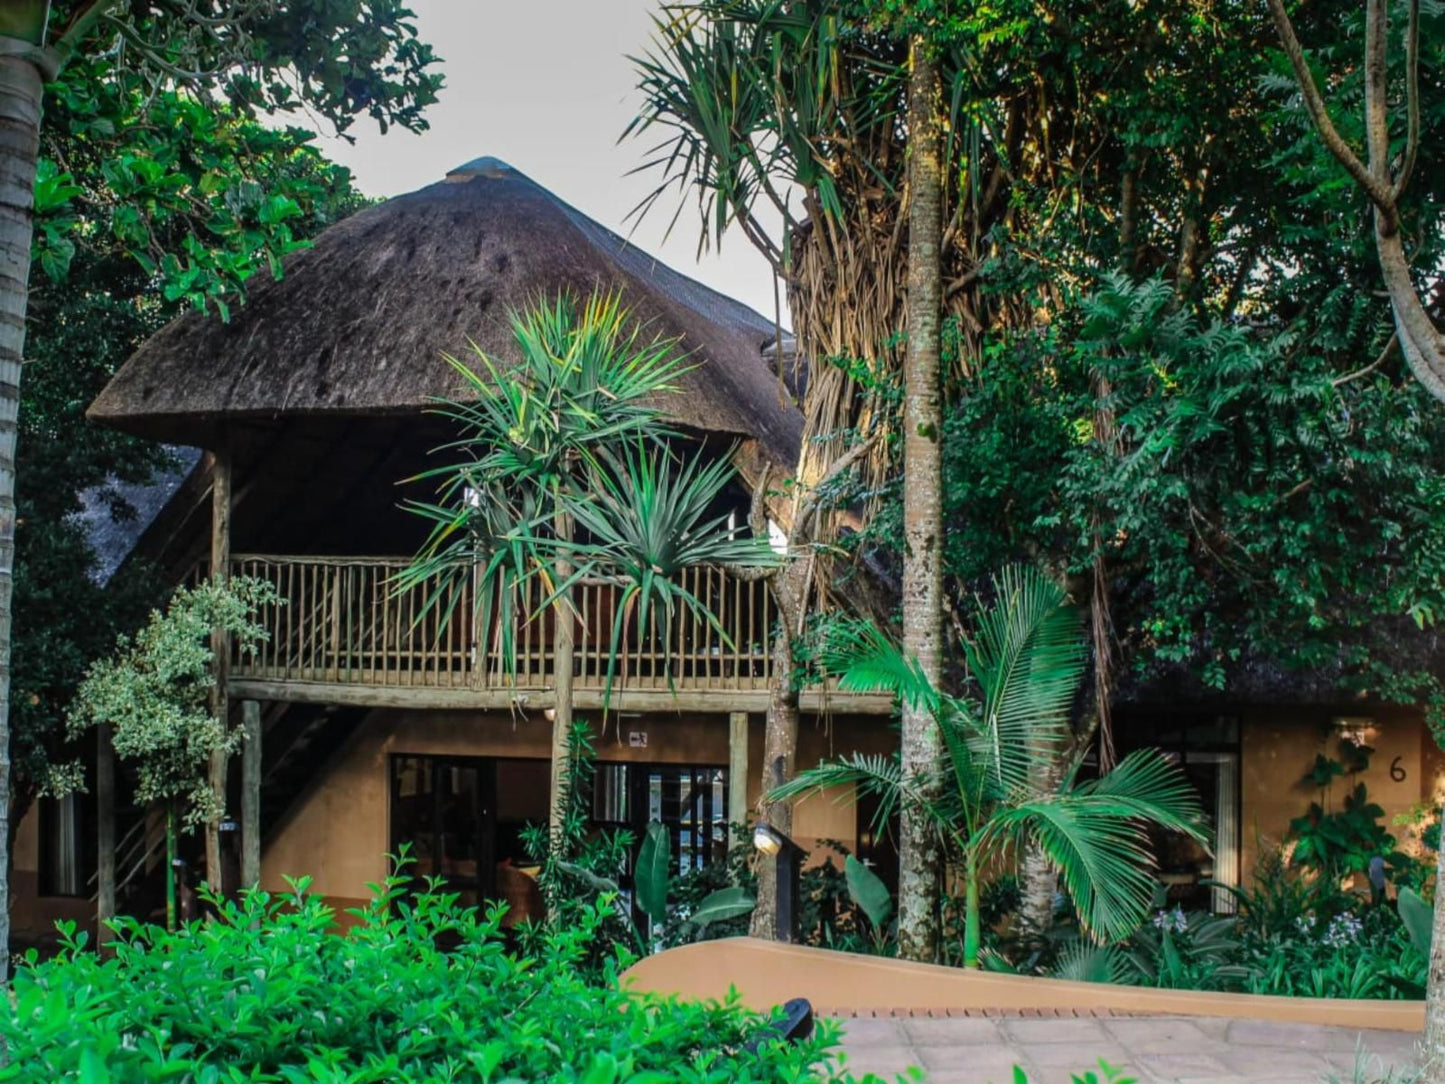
[565, 467]
[982, 799]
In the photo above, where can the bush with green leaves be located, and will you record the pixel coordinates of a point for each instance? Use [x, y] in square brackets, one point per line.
[988, 796]
[420, 989]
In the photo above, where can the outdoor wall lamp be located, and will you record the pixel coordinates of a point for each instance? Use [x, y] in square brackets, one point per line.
[788, 857]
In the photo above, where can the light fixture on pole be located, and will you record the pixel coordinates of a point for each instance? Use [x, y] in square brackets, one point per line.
[788, 858]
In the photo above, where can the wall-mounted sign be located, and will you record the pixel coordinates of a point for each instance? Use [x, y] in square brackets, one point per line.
[637, 739]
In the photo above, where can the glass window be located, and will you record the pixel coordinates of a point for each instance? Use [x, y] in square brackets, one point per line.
[62, 846]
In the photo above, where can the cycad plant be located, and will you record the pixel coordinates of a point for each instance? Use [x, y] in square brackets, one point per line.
[573, 435]
[1026, 659]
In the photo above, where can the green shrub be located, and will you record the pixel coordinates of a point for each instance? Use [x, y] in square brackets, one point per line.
[420, 990]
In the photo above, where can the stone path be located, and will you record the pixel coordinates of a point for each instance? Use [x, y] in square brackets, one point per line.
[1155, 1049]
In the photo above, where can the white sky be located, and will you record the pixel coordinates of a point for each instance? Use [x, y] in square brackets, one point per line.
[546, 86]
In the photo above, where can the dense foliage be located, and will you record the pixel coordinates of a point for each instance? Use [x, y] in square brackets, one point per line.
[96, 294]
[1172, 378]
[1294, 935]
[151, 143]
[995, 788]
[154, 692]
[419, 990]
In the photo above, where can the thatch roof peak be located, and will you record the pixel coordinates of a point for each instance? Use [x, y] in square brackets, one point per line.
[358, 322]
[486, 166]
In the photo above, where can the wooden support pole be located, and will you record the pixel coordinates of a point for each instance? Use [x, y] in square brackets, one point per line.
[221, 647]
[737, 768]
[104, 832]
[250, 794]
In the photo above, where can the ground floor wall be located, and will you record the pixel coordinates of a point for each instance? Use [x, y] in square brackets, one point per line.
[32, 914]
[338, 832]
[1278, 747]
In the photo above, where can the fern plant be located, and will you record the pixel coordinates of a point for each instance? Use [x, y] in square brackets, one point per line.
[982, 797]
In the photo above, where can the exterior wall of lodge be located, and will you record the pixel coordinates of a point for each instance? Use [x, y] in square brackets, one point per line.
[338, 832]
[1278, 745]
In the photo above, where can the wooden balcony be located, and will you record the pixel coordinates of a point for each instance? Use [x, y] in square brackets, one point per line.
[344, 634]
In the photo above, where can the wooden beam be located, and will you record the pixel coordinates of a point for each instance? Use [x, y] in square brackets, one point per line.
[221, 647]
[250, 794]
[737, 768]
[653, 700]
[104, 832]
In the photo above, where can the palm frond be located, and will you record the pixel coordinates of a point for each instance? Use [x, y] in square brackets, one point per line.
[1095, 835]
[1028, 657]
[866, 660]
[1085, 961]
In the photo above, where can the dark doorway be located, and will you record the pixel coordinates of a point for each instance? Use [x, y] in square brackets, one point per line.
[1206, 748]
[462, 818]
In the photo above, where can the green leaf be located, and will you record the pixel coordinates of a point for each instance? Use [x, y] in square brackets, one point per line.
[868, 892]
[653, 874]
[1418, 917]
[721, 905]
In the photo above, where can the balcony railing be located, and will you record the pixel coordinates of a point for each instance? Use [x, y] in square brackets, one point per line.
[342, 621]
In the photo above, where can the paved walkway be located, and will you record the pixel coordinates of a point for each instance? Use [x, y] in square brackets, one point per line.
[1155, 1049]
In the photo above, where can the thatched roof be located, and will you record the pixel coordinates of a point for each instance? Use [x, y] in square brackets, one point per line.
[359, 321]
[113, 537]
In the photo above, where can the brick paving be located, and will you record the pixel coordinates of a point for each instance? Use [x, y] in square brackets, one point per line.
[983, 1048]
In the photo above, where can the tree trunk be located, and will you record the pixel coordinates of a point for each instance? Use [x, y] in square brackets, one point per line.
[972, 908]
[1038, 880]
[563, 649]
[780, 739]
[20, 103]
[922, 498]
[171, 853]
[1433, 1046]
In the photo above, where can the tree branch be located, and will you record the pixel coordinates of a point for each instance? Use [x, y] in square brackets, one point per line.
[1377, 189]
[1341, 381]
[1412, 99]
[809, 504]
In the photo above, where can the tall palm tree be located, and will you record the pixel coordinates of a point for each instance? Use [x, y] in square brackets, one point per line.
[1026, 659]
[922, 492]
[572, 434]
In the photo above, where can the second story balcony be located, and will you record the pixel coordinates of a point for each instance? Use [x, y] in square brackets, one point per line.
[345, 634]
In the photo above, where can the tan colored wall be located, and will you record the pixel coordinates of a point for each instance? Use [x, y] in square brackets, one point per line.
[1278, 746]
[338, 833]
[33, 916]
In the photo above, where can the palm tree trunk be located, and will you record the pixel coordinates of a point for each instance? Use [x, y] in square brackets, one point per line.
[20, 103]
[972, 922]
[1433, 1070]
[780, 740]
[922, 497]
[1039, 881]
